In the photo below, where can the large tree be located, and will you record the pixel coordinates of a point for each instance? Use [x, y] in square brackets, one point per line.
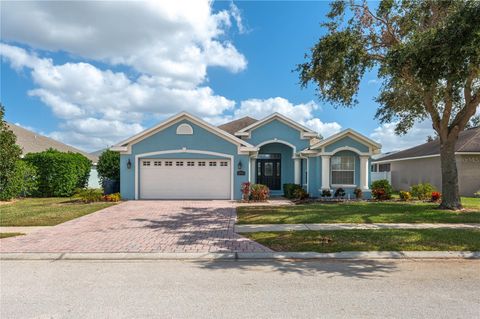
[427, 54]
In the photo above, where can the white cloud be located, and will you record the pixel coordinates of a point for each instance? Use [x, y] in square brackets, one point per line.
[373, 82]
[177, 39]
[385, 135]
[302, 113]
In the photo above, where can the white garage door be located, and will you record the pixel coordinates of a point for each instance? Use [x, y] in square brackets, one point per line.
[185, 179]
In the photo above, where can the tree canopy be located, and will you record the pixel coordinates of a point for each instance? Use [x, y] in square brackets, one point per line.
[427, 54]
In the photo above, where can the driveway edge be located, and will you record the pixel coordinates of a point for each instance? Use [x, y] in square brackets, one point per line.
[347, 255]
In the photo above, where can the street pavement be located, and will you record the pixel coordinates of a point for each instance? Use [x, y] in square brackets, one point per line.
[240, 289]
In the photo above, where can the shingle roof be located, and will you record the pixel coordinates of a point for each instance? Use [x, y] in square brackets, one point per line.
[237, 125]
[468, 141]
[32, 142]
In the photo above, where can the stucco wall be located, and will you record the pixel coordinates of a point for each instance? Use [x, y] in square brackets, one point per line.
[276, 129]
[167, 139]
[428, 170]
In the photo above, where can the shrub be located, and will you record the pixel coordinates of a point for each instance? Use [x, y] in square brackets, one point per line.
[477, 193]
[300, 193]
[405, 196]
[89, 195]
[22, 183]
[108, 166]
[289, 190]
[59, 173]
[259, 192]
[326, 193]
[339, 192]
[422, 191]
[245, 188]
[115, 197]
[9, 155]
[381, 189]
[436, 196]
[358, 193]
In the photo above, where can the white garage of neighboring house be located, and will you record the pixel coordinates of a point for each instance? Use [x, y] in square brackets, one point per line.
[32, 142]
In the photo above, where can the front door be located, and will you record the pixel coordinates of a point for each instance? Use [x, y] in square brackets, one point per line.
[269, 172]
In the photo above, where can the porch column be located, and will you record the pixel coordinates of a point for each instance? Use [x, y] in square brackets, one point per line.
[297, 170]
[364, 167]
[251, 177]
[325, 171]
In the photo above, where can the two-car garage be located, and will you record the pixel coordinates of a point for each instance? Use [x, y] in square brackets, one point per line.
[191, 178]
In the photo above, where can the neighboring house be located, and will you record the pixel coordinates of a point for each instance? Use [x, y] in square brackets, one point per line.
[185, 157]
[32, 142]
[421, 164]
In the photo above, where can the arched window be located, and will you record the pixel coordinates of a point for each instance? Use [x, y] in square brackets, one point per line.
[184, 129]
[343, 170]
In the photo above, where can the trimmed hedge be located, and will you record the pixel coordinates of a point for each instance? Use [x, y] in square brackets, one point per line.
[289, 190]
[59, 173]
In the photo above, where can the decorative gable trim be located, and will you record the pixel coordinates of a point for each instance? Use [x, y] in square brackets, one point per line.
[305, 133]
[373, 146]
[126, 145]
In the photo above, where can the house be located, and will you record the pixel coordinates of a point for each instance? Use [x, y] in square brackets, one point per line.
[421, 164]
[32, 142]
[185, 157]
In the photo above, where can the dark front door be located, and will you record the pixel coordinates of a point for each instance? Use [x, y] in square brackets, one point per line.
[268, 173]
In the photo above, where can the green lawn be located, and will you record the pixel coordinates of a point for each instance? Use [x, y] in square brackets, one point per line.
[359, 212]
[45, 211]
[6, 235]
[370, 240]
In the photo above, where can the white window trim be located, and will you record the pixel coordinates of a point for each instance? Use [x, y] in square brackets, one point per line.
[331, 172]
[183, 150]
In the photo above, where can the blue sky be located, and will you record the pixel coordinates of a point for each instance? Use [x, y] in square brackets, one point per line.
[93, 86]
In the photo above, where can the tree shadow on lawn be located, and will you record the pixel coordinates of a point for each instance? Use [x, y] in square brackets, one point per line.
[360, 269]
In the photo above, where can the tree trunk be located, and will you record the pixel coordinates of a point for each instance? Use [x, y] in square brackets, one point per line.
[450, 191]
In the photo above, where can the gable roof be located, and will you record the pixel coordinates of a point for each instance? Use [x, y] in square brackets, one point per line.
[468, 141]
[32, 142]
[348, 132]
[123, 146]
[277, 116]
[236, 125]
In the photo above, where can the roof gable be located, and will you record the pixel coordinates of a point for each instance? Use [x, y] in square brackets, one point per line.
[347, 133]
[306, 132]
[125, 145]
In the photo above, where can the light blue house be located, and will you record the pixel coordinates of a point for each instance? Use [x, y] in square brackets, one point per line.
[185, 157]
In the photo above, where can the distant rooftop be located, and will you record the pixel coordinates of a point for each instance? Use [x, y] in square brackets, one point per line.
[468, 141]
[32, 142]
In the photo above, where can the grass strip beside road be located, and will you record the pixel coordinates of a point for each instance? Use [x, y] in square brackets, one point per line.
[370, 240]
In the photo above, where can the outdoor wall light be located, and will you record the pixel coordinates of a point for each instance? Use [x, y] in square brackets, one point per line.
[239, 165]
[129, 164]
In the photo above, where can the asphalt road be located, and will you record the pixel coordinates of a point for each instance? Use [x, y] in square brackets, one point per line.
[241, 289]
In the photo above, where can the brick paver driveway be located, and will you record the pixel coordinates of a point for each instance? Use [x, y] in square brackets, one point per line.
[143, 226]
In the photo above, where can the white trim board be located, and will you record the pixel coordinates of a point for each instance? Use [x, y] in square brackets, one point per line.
[348, 132]
[125, 146]
[305, 132]
[280, 142]
[420, 157]
[184, 150]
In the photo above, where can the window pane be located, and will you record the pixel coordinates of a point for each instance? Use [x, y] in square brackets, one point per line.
[342, 163]
[268, 169]
[342, 177]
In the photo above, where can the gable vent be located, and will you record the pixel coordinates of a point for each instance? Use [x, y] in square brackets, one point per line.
[184, 129]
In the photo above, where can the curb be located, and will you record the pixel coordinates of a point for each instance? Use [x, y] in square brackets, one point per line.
[347, 255]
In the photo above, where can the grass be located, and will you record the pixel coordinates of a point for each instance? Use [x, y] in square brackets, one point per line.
[45, 211]
[359, 212]
[6, 235]
[370, 240]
